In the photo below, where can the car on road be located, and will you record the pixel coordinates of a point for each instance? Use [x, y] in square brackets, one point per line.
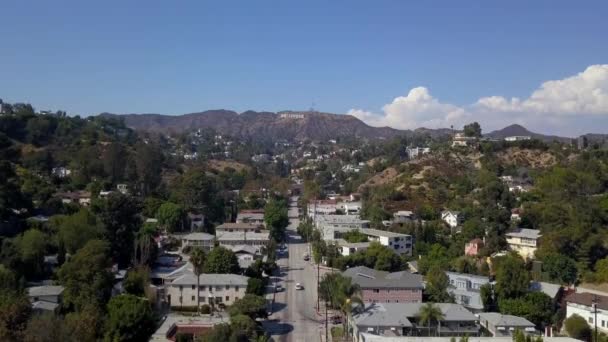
[278, 288]
[299, 286]
[306, 257]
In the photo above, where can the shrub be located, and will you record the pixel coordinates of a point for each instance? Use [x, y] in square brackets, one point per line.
[205, 309]
[577, 327]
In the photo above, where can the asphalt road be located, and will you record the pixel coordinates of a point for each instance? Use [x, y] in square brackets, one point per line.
[295, 317]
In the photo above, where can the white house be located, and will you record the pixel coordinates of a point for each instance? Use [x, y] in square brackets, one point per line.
[202, 240]
[403, 216]
[452, 218]
[517, 138]
[585, 305]
[415, 152]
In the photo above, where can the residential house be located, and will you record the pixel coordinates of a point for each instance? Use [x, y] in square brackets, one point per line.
[461, 140]
[465, 288]
[515, 214]
[403, 216]
[500, 325]
[214, 289]
[255, 216]
[61, 172]
[402, 319]
[473, 247]
[122, 188]
[350, 208]
[452, 218]
[243, 238]
[247, 255]
[384, 287]
[524, 241]
[347, 248]
[201, 240]
[45, 298]
[517, 138]
[82, 198]
[401, 244]
[239, 227]
[321, 207]
[190, 327]
[589, 306]
[415, 152]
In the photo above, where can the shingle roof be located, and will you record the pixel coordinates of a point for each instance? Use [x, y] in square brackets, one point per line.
[525, 233]
[211, 279]
[498, 319]
[366, 277]
[198, 237]
[45, 290]
[398, 314]
[587, 299]
[46, 306]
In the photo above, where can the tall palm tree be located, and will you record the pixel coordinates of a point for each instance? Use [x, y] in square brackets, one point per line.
[429, 313]
[340, 292]
[144, 242]
[197, 259]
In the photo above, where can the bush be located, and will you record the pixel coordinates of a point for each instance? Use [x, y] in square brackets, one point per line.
[577, 327]
[205, 309]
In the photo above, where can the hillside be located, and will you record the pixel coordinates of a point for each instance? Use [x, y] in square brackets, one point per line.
[263, 125]
[518, 130]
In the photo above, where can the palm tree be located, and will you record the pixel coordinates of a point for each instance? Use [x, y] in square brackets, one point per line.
[340, 292]
[197, 258]
[428, 313]
[144, 242]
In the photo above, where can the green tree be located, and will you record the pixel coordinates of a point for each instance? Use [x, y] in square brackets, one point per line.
[121, 216]
[276, 219]
[197, 258]
[221, 260]
[428, 313]
[137, 281]
[355, 236]
[46, 327]
[148, 162]
[15, 310]
[256, 286]
[171, 216]
[130, 318]
[77, 229]
[250, 305]
[536, 307]
[512, 279]
[32, 246]
[487, 297]
[560, 268]
[577, 327]
[86, 276]
[150, 206]
[437, 283]
[472, 130]
[85, 325]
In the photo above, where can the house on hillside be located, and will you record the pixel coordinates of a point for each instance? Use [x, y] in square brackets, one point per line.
[461, 140]
[384, 287]
[466, 289]
[591, 307]
[403, 216]
[82, 198]
[255, 216]
[524, 241]
[473, 247]
[452, 218]
[45, 298]
[200, 240]
[500, 325]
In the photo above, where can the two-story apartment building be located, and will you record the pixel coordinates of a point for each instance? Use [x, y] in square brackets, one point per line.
[243, 238]
[201, 240]
[255, 216]
[401, 244]
[524, 241]
[403, 319]
[239, 227]
[585, 305]
[214, 289]
[384, 287]
[466, 289]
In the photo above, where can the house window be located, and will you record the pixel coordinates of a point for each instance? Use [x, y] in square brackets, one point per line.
[591, 320]
[376, 290]
[193, 286]
[227, 298]
[603, 324]
[193, 298]
[218, 299]
[236, 288]
[227, 287]
[203, 288]
[181, 288]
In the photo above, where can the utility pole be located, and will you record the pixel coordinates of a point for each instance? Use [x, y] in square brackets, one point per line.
[318, 288]
[326, 325]
[594, 306]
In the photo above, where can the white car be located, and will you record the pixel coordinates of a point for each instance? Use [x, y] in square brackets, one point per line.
[299, 286]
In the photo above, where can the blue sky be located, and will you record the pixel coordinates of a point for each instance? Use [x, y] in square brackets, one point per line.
[176, 57]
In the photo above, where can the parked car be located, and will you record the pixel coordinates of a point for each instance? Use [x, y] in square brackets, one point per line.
[306, 257]
[278, 288]
[336, 319]
[299, 286]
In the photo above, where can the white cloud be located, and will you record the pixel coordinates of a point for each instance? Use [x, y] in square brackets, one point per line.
[560, 104]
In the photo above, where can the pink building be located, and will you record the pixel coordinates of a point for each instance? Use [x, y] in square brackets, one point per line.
[473, 247]
[385, 287]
